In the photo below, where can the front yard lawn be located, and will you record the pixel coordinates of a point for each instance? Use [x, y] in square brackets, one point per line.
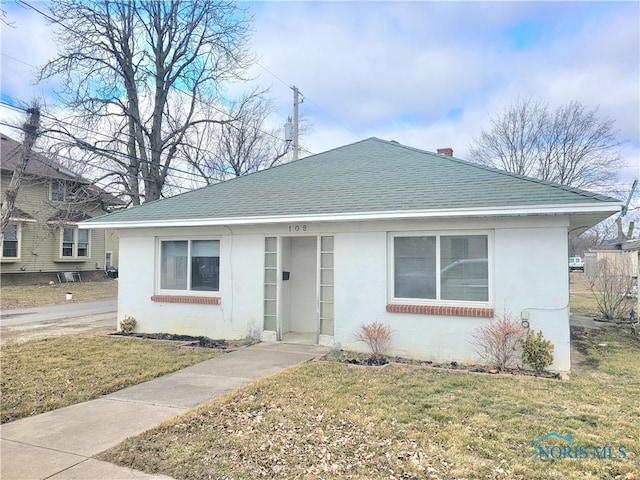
[28, 296]
[42, 375]
[330, 420]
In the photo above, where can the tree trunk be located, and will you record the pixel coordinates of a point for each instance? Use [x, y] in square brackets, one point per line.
[31, 133]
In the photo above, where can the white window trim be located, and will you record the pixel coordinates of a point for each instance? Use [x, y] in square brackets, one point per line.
[19, 247]
[75, 256]
[435, 301]
[184, 293]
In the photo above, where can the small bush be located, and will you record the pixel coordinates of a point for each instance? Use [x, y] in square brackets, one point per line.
[376, 335]
[128, 324]
[536, 351]
[496, 341]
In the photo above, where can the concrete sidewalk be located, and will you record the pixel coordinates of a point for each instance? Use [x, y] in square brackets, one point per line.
[59, 444]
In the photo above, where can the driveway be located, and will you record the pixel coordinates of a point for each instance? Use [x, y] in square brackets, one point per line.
[53, 320]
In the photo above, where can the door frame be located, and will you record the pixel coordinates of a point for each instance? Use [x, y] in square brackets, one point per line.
[280, 290]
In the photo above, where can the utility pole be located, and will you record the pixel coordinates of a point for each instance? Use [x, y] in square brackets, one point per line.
[296, 92]
[31, 132]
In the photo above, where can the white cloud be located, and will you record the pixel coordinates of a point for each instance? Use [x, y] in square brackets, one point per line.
[426, 74]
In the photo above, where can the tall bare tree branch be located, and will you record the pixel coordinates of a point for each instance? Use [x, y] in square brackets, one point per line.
[131, 65]
[571, 146]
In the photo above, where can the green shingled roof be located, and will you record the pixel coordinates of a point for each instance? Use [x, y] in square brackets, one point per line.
[372, 175]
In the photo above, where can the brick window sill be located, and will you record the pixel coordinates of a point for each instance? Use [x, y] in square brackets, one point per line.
[186, 299]
[481, 312]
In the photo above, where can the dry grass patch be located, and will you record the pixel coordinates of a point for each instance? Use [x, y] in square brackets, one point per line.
[27, 296]
[327, 420]
[42, 375]
[582, 301]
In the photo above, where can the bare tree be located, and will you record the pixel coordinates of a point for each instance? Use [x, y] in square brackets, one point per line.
[31, 132]
[236, 148]
[571, 146]
[137, 75]
[514, 140]
[612, 282]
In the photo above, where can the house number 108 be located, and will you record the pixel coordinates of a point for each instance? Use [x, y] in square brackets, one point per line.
[297, 228]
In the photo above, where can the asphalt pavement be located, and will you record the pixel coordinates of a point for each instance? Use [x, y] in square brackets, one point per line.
[48, 313]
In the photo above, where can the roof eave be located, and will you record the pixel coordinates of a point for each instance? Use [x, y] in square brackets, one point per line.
[566, 209]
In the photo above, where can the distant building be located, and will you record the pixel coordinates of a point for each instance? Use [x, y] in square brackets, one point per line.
[43, 238]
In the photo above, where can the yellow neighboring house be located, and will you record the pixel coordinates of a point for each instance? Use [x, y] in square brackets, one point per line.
[42, 241]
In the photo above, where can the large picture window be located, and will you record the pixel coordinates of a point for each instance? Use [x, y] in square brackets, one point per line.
[74, 243]
[441, 267]
[191, 265]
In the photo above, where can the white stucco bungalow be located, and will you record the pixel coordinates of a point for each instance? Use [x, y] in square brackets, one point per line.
[374, 231]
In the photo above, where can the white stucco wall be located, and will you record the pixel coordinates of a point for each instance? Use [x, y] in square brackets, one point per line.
[529, 273]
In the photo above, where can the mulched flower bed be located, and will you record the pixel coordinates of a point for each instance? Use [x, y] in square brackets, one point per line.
[202, 342]
[353, 358]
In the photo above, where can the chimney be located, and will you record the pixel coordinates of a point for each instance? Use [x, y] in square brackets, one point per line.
[446, 151]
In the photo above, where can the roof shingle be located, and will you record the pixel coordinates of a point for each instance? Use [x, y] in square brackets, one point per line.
[372, 175]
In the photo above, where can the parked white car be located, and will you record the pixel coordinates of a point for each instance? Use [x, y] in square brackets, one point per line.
[576, 263]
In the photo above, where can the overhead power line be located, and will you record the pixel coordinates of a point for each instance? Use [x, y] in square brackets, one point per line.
[55, 20]
[310, 101]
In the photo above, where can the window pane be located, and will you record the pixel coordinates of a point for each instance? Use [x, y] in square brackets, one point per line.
[173, 265]
[83, 243]
[326, 244]
[10, 243]
[270, 260]
[465, 269]
[270, 307]
[270, 292]
[67, 242]
[326, 310]
[270, 275]
[10, 249]
[11, 233]
[67, 235]
[205, 265]
[326, 294]
[326, 276]
[57, 190]
[415, 267]
[326, 260]
[270, 244]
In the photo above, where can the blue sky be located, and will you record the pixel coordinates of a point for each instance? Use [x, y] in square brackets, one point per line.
[426, 74]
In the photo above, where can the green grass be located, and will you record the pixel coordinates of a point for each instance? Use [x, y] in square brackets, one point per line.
[329, 420]
[42, 375]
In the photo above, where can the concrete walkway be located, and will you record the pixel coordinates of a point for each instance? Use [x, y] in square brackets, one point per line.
[587, 324]
[59, 444]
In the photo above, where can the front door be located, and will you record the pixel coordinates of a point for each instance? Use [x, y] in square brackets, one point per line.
[299, 310]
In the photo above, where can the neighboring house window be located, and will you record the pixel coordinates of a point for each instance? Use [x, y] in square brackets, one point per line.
[75, 242]
[441, 267]
[191, 265]
[57, 190]
[11, 243]
[66, 191]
